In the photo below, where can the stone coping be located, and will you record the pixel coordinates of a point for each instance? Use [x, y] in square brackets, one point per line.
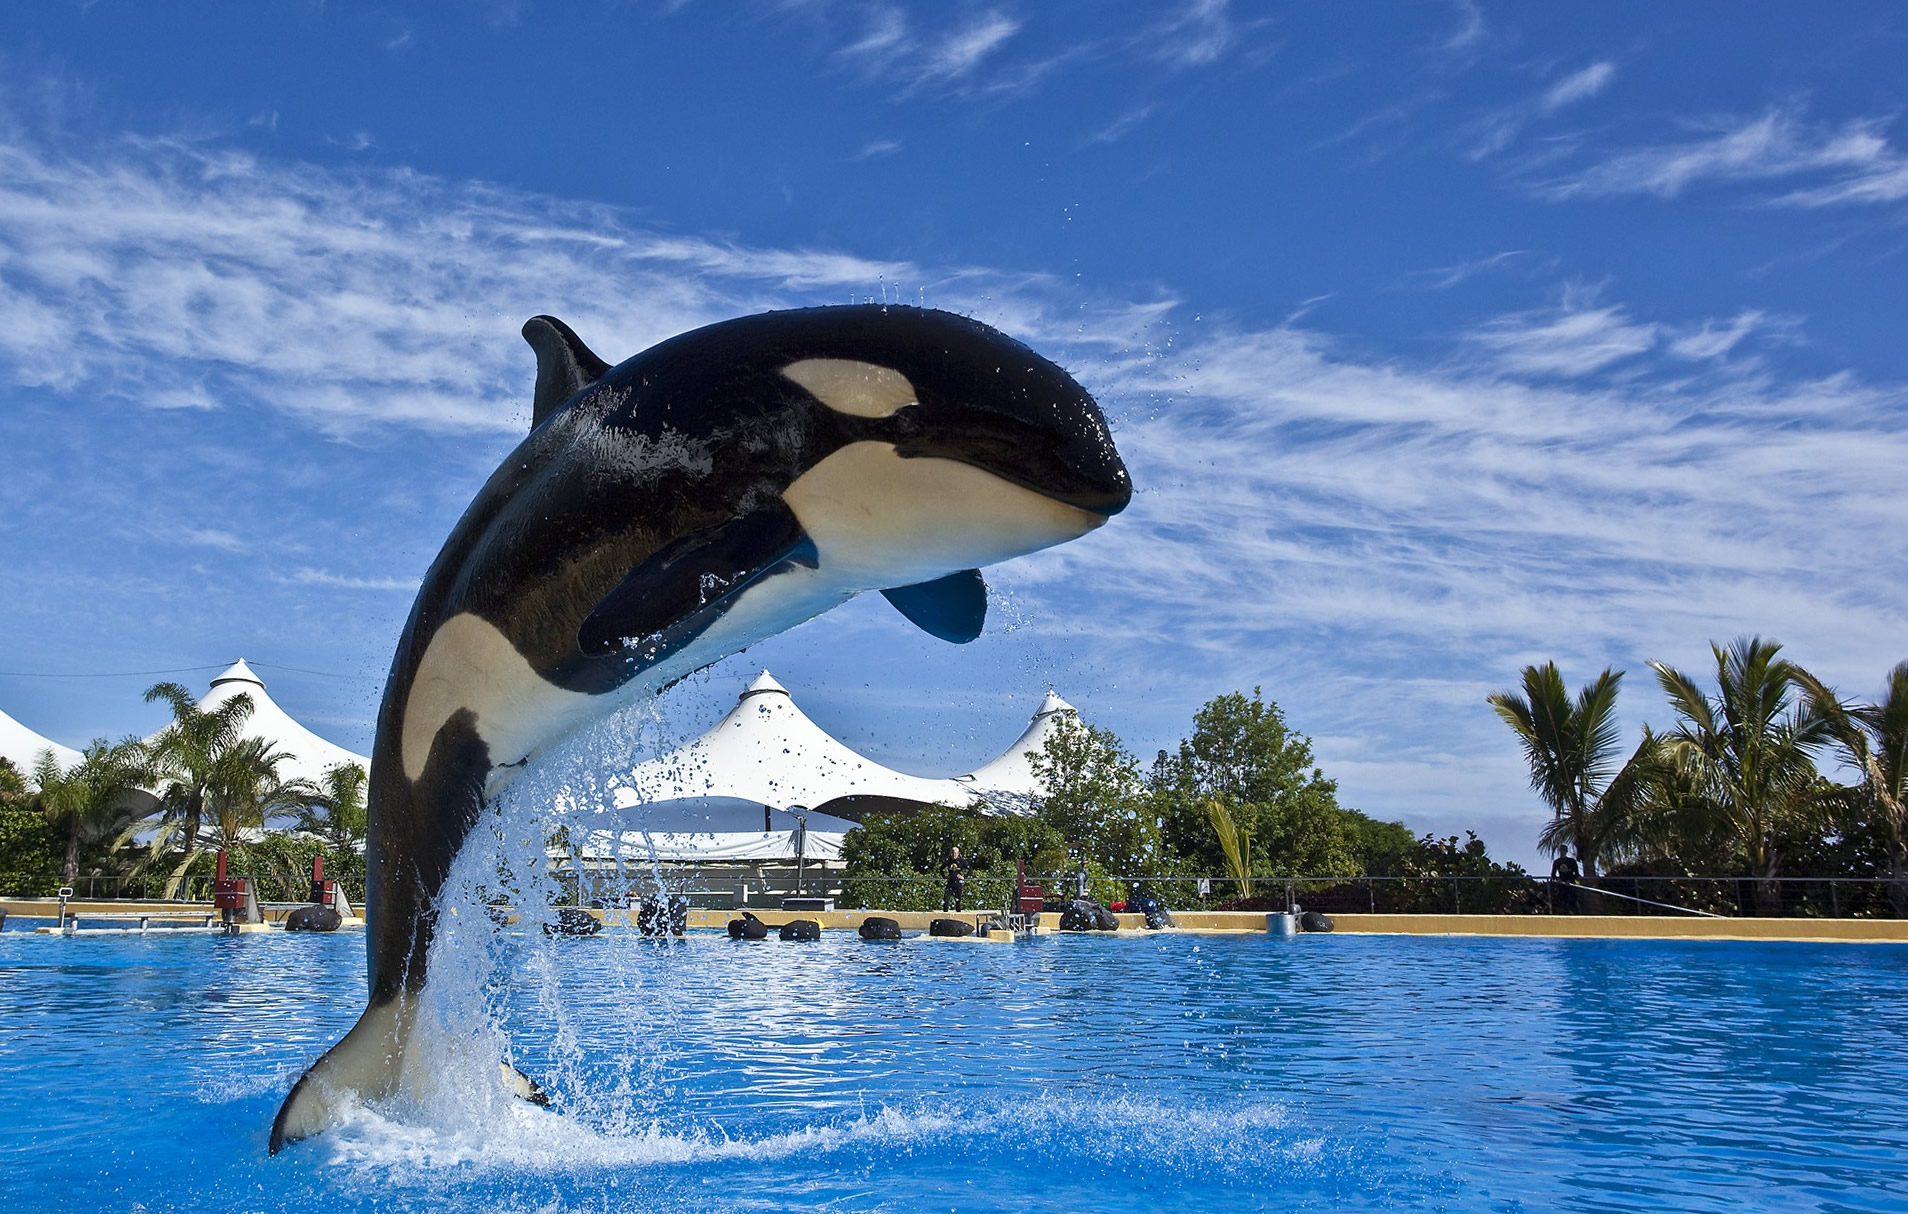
[1660, 927]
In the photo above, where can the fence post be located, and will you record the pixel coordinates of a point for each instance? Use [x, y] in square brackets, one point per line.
[1371, 894]
[1457, 902]
[1835, 903]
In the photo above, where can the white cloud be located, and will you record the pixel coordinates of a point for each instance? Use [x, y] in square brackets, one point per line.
[324, 577]
[1197, 34]
[1568, 340]
[1714, 339]
[1116, 130]
[1578, 86]
[1470, 27]
[1442, 278]
[212, 537]
[891, 48]
[961, 51]
[177, 276]
[1498, 130]
[1863, 167]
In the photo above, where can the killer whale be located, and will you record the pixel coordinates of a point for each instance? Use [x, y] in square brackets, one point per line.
[716, 489]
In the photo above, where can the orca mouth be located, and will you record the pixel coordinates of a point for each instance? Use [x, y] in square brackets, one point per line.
[1076, 465]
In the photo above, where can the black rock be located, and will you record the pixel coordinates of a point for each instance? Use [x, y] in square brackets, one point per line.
[1156, 915]
[748, 927]
[801, 929]
[309, 919]
[877, 927]
[1081, 915]
[573, 921]
[663, 916]
[1313, 921]
[950, 927]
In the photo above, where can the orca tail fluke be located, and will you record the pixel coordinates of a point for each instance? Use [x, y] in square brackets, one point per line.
[374, 1061]
[363, 1066]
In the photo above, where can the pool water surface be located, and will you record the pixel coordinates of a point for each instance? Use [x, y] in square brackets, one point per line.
[1164, 1072]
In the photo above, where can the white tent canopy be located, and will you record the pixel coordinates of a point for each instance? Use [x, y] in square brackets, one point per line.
[741, 790]
[23, 747]
[768, 751]
[309, 754]
[1009, 781]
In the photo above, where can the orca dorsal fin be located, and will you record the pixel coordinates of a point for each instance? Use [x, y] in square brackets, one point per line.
[952, 608]
[564, 365]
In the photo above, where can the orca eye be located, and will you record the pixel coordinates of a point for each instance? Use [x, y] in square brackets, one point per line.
[850, 386]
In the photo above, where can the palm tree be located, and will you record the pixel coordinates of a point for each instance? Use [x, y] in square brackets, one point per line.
[337, 811]
[1749, 752]
[1572, 748]
[245, 790]
[1873, 739]
[183, 760]
[86, 799]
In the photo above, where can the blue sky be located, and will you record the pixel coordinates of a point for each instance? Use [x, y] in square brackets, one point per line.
[1441, 337]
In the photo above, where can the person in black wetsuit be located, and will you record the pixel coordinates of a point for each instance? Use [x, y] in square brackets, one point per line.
[1563, 882]
[956, 882]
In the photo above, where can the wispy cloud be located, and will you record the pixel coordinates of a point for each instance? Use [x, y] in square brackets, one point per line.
[1569, 340]
[1501, 128]
[1578, 86]
[324, 577]
[1199, 32]
[1853, 163]
[876, 148]
[1470, 28]
[1716, 339]
[1116, 130]
[212, 537]
[171, 275]
[1442, 278]
[891, 47]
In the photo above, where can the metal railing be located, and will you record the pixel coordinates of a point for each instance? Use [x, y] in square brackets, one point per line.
[1789, 897]
[1729, 897]
[197, 888]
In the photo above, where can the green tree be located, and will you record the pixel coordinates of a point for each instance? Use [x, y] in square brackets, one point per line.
[90, 800]
[246, 790]
[336, 812]
[1748, 754]
[29, 844]
[898, 861]
[1094, 799]
[1242, 753]
[183, 763]
[1572, 746]
[1873, 739]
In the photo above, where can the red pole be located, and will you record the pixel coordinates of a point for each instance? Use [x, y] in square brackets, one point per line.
[317, 869]
[220, 875]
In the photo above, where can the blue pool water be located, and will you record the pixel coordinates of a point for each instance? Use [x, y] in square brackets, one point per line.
[1171, 1072]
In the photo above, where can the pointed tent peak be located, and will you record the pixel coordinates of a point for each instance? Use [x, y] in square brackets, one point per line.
[764, 682]
[1052, 704]
[239, 672]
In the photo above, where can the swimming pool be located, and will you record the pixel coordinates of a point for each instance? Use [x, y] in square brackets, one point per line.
[1161, 1073]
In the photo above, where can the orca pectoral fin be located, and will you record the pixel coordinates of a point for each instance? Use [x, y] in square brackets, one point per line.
[673, 595]
[952, 608]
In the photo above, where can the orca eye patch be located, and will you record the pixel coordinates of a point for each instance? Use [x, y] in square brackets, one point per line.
[848, 385]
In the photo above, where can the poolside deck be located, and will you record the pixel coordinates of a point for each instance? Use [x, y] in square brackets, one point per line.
[1657, 927]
